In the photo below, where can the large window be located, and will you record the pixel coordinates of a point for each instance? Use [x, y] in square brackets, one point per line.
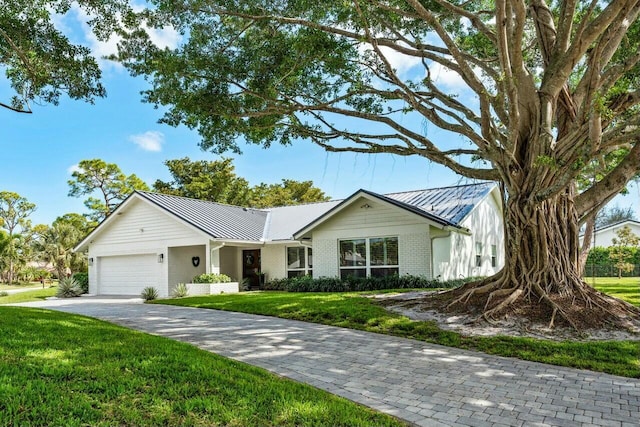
[375, 256]
[299, 261]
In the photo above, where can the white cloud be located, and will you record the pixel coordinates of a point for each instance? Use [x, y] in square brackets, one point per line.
[148, 141]
[74, 168]
[163, 37]
[447, 77]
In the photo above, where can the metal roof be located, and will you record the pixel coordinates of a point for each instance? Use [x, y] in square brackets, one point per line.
[448, 206]
[285, 220]
[451, 204]
[218, 220]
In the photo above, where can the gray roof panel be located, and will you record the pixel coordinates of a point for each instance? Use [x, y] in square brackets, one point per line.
[217, 220]
[285, 220]
[452, 204]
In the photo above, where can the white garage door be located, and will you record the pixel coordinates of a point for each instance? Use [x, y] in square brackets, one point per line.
[128, 275]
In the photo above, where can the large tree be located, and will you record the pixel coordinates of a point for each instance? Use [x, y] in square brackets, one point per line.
[289, 192]
[217, 181]
[38, 59]
[14, 214]
[107, 181]
[549, 87]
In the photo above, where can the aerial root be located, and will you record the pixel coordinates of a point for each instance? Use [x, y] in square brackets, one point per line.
[464, 298]
[515, 294]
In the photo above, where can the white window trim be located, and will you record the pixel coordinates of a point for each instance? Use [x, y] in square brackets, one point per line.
[307, 270]
[368, 267]
[477, 263]
[494, 257]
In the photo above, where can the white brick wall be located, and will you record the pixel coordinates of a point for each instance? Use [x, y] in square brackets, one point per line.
[414, 254]
[325, 257]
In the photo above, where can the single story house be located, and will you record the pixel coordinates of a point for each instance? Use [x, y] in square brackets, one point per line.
[160, 240]
[603, 236]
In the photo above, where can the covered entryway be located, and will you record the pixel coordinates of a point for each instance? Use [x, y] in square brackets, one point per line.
[127, 274]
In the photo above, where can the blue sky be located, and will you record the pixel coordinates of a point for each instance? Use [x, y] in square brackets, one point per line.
[39, 150]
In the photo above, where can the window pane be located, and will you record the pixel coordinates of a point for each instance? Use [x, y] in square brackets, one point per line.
[353, 253]
[384, 251]
[381, 272]
[478, 248]
[310, 258]
[352, 272]
[295, 258]
[295, 273]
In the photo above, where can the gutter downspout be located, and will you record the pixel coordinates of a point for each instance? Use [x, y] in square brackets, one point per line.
[446, 236]
[213, 248]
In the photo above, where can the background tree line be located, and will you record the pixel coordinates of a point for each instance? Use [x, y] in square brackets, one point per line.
[29, 252]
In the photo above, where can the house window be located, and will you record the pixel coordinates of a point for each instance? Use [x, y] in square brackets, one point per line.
[478, 254]
[376, 256]
[494, 255]
[299, 261]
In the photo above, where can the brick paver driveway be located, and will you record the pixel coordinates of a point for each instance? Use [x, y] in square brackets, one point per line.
[422, 383]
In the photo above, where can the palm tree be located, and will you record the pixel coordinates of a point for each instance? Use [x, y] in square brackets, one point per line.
[55, 246]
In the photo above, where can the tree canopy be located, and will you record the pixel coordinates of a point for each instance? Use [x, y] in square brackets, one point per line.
[14, 214]
[543, 89]
[217, 181]
[38, 59]
[95, 176]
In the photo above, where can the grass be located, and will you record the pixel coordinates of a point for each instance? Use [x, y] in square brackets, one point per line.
[355, 311]
[626, 288]
[63, 369]
[28, 296]
[20, 285]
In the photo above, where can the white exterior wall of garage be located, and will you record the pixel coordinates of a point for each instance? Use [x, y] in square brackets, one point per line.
[129, 251]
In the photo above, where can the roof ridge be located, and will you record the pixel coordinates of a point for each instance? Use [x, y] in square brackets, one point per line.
[439, 188]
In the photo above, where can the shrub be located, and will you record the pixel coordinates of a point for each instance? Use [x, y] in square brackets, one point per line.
[149, 293]
[350, 284]
[69, 288]
[83, 281]
[180, 291]
[4, 293]
[212, 278]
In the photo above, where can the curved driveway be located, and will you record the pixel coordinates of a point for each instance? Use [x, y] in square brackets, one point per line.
[422, 383]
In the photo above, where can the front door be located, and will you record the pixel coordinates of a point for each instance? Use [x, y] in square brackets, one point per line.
[251, 267]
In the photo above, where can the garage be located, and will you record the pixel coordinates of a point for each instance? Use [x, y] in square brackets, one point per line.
[128, 274]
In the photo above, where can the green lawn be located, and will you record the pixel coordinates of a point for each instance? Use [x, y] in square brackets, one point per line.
[63, 369]
[626, 288]
[352, 310]
[21, 285]
[28, 296]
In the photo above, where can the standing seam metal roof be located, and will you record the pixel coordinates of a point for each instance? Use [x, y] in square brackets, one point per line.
[448, 206]
[217, 220]
[452, 204]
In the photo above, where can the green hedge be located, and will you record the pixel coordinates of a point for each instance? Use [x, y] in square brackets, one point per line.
[83, 280]
[334, 284]
[599, 264]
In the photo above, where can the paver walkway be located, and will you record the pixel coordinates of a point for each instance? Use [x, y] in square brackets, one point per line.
[422, 383]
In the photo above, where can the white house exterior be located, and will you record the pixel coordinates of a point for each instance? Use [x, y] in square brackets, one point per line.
[603, 236]
[160, 240]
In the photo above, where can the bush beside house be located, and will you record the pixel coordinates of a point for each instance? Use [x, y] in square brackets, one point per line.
[352, 284]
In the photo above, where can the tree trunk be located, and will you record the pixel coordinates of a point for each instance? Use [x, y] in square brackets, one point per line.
[541, 278]
[10, 275]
